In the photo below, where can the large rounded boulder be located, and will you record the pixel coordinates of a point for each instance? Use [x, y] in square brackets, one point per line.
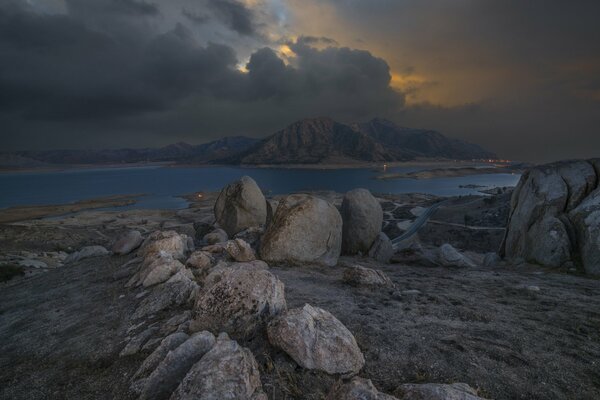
[363, 218]
[304, 229]
[240, 205]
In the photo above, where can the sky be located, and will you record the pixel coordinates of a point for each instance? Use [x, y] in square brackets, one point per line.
[521, 78]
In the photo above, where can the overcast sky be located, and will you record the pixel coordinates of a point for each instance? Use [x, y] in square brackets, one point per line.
[521, 78]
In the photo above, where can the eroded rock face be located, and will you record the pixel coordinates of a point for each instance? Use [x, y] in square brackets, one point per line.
[315, 339]
[357, 389]
[357, 275]
[228, 371]
[554, 217]
[238, 299]
[435, 391]
[363, 218]
[240, 205]
[450, 257]
[305, 229]
[127, 243]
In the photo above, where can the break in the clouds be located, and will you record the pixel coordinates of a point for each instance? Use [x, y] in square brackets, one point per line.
[509, 75]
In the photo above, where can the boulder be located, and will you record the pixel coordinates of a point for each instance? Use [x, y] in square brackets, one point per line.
[382, 248]
[238, 299]
[251, 235]
[227, 371]
[450, 257]
[169, 242]
[240, 205]
[135, 344]
[127, 243]
[175, 366]
[216, 236]
[315, 339]
[164, 296]
[554, 216]
[166, 345]
[305, 229]
[160, 270]
[201, 229]
[201, 260]
[86, 252]
[437, 391]
[240, 251]
[357, 389]
[363, 218]
[357, 275]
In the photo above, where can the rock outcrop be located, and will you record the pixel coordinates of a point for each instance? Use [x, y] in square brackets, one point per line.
[315, 339]
[305, 229]
[362, 220]
[240, 205]
[555, 216]
[238, 299]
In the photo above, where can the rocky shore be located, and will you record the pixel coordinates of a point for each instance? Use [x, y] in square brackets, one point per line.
[304, 296]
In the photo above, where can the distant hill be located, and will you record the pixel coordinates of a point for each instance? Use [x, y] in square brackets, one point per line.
[308, 141]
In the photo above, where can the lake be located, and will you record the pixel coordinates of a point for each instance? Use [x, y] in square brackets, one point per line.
[163, 185]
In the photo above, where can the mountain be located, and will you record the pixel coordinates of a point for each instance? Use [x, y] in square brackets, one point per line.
[314, 140]
[407, 142]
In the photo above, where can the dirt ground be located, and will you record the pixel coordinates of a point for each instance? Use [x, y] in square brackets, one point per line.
[511, 332]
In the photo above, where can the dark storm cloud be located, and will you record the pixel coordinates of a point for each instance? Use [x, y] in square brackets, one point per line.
[235, 15]
[195, 17]
[75, 80]
[114, 7]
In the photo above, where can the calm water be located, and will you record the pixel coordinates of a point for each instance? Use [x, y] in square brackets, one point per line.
[163, 185]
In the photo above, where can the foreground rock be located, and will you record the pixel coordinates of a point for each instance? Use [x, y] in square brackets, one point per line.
[240, 251]
[216, 236]
[227, 371]
[555, 216]
[86, 252]
[175, 365]
[315, 339]
[363, 218]
[238, 299]
[169, 343]
[240, 205]
[169, 242]
[382, 248]
[450, 257]
[357, 275]
[127, 243]
[357, 389]
[164, 296]
[435, 391]
[305, 229]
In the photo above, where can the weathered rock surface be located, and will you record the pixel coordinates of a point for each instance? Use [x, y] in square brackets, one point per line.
[382, 248]
[216, 236]
[435, 391]
[237, 299]
[315, 339]
[357, 389]
[127, 243]
[160, 270]
[169, 343]
[363, 218]
[200, 260]
[163, 296]
[450, 257]
[305, 229]
[555, 214]
[357, 275]
[170, 242]
[227, 372]
[240, 251]
[175, 365]
[240, 205]
[86, 252]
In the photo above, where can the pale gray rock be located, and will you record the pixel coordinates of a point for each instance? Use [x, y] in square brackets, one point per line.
[86, 252]
[161, 270]
[151, 362]
[175, 365]
[436, 391]
[127, 243]
[450, 257]
[382, 248]
[363, 218]
[315, 339]
[164, 296]
[357, 389]
[240, 205]
[238, 299]
[227, 372]
[305, 229]
[216, 236]
[170, 242]
[357, 275]
[240, 251]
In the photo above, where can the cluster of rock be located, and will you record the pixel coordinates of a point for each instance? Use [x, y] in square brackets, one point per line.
[555, 217]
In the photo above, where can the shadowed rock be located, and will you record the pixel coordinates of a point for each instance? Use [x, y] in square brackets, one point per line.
[357, 389]
[450, 257]
[127, 243]
[382, 248]
[216, 236]
[240, 205]
[363, 217]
